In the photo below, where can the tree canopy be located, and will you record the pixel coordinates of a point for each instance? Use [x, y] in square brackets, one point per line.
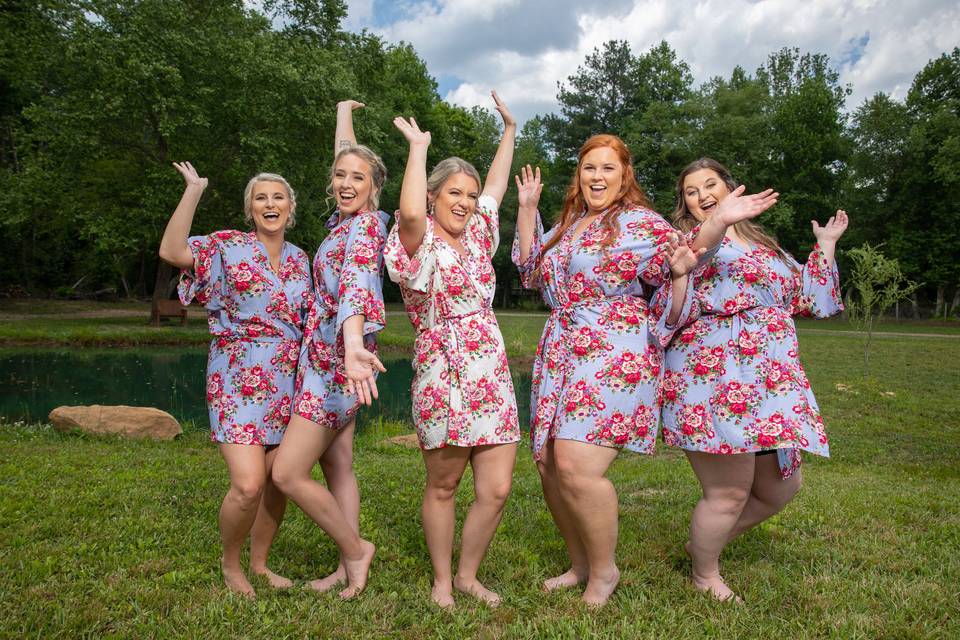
[99, 97]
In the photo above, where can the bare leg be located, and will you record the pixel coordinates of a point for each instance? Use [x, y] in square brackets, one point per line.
[492, 479]
[337, 465]
[273, 504]
[302, 445]
[592, 501]
[726, 482]
[445, 467]
[768, 496]
[579, 566]
[247, 468]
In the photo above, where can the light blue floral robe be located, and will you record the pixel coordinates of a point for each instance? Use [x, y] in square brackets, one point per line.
[256, 318]
[598, 364]
[348, 279]
[733, 382]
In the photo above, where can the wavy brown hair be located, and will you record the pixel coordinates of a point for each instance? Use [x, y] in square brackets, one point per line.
[631, 195]
[684, 219]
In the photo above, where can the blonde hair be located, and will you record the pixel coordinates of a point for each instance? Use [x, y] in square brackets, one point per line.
[378, 170]
[684, 219]
[268, 177]
[447, 168]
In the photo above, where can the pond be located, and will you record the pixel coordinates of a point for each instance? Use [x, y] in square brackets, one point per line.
[34, 381]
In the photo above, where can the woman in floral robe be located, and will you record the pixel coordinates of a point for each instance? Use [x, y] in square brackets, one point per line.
[733, 383]
[464, 406]
[599, 362]
[256, 289]
[338, 365]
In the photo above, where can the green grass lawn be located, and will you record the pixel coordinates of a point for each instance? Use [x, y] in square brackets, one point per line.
[102, 537]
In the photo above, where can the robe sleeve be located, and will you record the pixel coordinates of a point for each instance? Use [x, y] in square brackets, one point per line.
[484, 226]
[360, 291]
[646, 236]
[203, 283]
[529, 268]
[414, 272]
[816, 290]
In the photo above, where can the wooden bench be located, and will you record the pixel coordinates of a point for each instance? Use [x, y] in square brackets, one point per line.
[167, 309]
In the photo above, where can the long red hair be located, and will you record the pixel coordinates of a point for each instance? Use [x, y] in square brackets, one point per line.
[631, 195]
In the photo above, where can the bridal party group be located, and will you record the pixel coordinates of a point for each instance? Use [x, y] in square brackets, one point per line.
[681, 327]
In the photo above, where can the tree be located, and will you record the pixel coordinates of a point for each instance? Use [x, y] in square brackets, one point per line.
[875, 284]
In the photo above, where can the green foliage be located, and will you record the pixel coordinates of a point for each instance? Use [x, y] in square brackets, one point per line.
[97, 97]
[874, 284]
[117, 91]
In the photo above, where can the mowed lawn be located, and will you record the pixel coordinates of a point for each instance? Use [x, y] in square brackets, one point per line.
[102, 537]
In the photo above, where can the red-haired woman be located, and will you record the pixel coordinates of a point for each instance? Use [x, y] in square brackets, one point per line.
[596, 374]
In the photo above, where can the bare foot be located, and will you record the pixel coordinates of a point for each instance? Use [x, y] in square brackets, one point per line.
[237, 582]
[477, 590]
[357, 571]
[570, 578]
[442, 594]
[600, 588]
[717, 588]
[329, 582]
[276, 581]
[715, 585]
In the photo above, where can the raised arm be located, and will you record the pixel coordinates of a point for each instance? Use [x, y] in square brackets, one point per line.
[344, 137]
[732, 209]
[529, 188]
[498, 176]
[828, 234]
[173, 245]
[412, 217]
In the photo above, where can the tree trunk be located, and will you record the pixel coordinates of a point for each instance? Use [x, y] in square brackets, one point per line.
[161, 286]
[955, 305]
[914, 307]
[939, 310]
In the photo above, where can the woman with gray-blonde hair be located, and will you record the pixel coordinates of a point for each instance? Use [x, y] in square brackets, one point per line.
[338, 362]
[440, 253]
[256, 288]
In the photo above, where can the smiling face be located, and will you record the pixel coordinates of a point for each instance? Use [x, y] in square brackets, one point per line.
[270, 207]
[352, 184]
[601, 179]
[703, 190]
[455, 202]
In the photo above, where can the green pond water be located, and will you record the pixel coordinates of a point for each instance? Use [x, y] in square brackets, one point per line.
[34, 381]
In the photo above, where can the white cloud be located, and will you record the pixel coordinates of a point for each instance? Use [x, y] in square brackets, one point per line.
[523, 47]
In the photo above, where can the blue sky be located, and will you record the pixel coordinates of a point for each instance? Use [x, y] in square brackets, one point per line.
[524, 47]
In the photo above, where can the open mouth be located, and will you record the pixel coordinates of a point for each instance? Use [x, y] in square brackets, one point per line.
[347, 198]
[597, 189]
[708, 207]
[271, 215]
[462, 215]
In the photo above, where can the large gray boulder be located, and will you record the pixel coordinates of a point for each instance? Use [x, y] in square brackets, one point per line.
[133, 422]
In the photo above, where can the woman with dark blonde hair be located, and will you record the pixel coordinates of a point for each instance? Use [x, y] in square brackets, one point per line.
[256, 289]
[440, 253]
[597, 370]
[338, 363]
[733, 389]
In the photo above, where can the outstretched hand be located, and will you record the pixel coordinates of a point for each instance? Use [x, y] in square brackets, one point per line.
[411, 131]
[353, 105]
[737, 207]
[359, 366]
[508, 119]
[190, 175]
[834, 228]
[529, 187]
[681, 257]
